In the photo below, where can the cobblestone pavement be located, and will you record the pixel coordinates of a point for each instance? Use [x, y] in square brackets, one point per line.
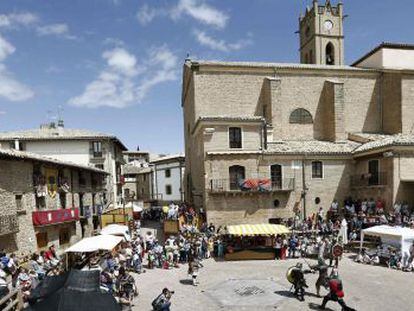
[262, 285]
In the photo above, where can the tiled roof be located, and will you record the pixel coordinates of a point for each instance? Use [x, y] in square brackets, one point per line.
[134, 169]
[231, 118]
[298, 147]
[312, 147]
[274, 65]
[387, 141]
[168, 158]
[23, 155]
[358, 143]
[57, 133]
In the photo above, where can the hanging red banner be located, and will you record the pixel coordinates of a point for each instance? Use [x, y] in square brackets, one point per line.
[51, 217]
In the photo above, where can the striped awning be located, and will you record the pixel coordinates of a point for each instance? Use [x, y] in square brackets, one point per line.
[259, 229]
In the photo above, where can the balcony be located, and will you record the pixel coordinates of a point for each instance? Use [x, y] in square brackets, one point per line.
[251, 185]
[8, 224]
[53, 217]
[369, 180]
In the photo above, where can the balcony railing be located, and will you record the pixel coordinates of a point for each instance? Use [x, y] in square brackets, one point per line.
[369, 180]
[251, 185]
[8, 224]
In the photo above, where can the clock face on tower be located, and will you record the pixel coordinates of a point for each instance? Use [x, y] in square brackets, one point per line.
[328, 25]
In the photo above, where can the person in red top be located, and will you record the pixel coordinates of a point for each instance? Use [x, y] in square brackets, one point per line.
[336, 292]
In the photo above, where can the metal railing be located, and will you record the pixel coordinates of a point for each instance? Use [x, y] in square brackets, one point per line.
[8, 224]
[251, 185]
[369, 180]
[12, 301]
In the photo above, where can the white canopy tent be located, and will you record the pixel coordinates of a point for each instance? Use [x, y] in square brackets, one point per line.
[117, 230]
[396, 236]
[136, 206]
[95, 243]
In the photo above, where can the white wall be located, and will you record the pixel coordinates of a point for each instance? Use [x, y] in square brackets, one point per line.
[390, 59]
[175, 180]
[398, 59]
[374, 61]
[66, 150]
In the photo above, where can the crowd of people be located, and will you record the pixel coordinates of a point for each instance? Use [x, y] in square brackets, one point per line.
[317, 236]
[26, 273]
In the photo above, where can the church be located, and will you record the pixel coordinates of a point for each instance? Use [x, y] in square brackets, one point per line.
[264, 141]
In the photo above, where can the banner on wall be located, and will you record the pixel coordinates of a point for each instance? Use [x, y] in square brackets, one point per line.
[51, 181]
[42, 218]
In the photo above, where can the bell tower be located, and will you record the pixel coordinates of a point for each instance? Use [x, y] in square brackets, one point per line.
[321, 34]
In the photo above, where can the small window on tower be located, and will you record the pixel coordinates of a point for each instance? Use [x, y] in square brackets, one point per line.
[330, 54]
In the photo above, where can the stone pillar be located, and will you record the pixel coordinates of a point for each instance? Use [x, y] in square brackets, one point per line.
[335, 107]
[277, 107]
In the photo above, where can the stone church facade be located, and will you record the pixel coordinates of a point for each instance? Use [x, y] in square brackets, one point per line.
[266, 140]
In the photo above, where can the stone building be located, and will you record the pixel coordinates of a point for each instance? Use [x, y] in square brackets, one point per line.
[266, 140]
[42, 200]
[168, 177]
[138, 182]
[76, 145]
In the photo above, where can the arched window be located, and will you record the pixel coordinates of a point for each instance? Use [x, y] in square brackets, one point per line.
[237, 175]
[276, 176]
[300, 116]
[330, 54]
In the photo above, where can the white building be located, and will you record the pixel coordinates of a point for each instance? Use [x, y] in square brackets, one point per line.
[169, 178]
[83, 147]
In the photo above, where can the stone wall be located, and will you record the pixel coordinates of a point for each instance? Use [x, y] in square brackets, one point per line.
[245, 207]
[16, 179]
[236, 94]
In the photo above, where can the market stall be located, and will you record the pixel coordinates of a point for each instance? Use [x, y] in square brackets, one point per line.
[252, 242]
[398, 237]
[79, 253]
[117, 230]
[95, 243]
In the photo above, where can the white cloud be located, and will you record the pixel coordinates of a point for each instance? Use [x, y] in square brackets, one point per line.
[121, 60]
[18, 19]
[197, 9]
[123, 82]
[219, 44]
[58, 29]
[10, 88]
[202, 12]
[2, 112]
[6, 48]
[163, 63]
[146, 14]
[53, 69]
[113, 41]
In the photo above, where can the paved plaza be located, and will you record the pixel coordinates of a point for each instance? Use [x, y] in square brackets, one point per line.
[262, 285]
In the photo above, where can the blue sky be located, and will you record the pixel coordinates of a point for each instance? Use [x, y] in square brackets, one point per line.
[115, 65]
